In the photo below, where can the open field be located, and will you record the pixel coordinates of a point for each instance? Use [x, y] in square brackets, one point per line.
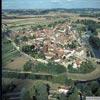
[11, 58]
[33, 20]
[9, 53]
[17, 64]
[74, 18]
[19, 23]
[25, 21]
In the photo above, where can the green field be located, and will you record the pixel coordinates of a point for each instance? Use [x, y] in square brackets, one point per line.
[26, 23]
[9, 53]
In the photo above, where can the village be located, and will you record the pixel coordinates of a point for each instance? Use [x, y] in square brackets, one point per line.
[60, 44]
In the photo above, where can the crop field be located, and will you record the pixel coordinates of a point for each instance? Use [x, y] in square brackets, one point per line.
[9, 53]
[27, 22]
[17, 64]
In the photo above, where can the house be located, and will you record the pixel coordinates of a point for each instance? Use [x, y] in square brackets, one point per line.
[69, 53]
[60, 52]
[45, 48]
[77, 63]
[49, 55]
[63, 90]
[80, 53]
[57, 60]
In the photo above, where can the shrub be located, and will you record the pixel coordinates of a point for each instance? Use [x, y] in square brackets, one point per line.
[85, 67]
[28, 66]
[51, 67]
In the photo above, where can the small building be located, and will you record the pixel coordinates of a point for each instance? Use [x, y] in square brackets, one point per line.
[75, 65]
[63, 90]
[57, 60]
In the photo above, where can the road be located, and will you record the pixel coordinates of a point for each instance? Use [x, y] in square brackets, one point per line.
[26, 72]
[79, 77]
[86, 77]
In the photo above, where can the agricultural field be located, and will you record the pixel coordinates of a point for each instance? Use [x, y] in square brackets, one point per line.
[31, 21]
[11, 58]
[8, 51]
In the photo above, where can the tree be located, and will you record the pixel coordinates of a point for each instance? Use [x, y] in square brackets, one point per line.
[26, 49]
[41, 91]
[23, 30]
[98, 92]
[17, 39]
[25, 95]
[24, 38]
[90, 25]
[92, 29]
[95, 42]
[74, 95]
[50, 25]
[69, 82]
[85, 67]
[51, 67]
[94, 86]
[73, 45]
[40, 27]
[62, 96]
[48, 88]
[85, 89]
[5, 30]
[28, 66]
[34, 28]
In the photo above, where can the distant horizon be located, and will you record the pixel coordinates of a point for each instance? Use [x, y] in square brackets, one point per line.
[50, 4]
[48, 8]
[44, 8]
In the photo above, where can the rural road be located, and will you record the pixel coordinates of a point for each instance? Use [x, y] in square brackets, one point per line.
[86, 77]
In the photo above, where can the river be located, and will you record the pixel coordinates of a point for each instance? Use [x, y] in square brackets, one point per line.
[96, 52]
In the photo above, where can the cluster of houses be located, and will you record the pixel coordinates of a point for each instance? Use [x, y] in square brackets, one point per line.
[52, 41]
